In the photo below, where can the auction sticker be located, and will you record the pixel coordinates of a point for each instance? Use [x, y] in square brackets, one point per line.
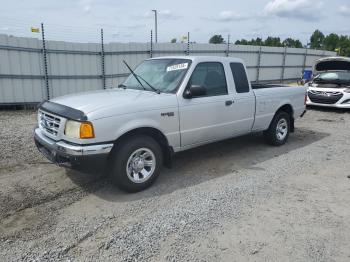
[177, 67]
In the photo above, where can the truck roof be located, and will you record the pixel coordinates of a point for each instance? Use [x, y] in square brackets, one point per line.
[203, 58]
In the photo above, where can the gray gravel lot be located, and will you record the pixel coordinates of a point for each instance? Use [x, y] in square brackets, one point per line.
[236, 200]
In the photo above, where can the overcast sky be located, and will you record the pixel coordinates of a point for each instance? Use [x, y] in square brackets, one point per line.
[132, 20]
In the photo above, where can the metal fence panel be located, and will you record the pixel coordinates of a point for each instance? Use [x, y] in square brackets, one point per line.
[169, 49]
[20, 70]
[73, 67]
[78, 67]
[208, 49]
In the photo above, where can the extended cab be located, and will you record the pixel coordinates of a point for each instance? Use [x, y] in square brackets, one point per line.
[166, 105]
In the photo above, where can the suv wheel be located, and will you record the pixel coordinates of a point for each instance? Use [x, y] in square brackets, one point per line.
[135, 164]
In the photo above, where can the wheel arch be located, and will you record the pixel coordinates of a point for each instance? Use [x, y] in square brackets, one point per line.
[152, 132]
[287, 108]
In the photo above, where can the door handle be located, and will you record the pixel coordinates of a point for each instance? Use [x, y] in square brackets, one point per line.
[228, 102]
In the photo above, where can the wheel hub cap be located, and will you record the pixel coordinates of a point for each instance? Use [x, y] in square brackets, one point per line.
[141, 165]
[138, 164]
[282, 129]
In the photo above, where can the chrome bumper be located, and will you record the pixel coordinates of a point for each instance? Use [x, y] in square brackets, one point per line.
[344, 106]
[66, 149]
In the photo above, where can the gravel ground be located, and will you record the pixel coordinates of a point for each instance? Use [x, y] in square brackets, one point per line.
[236, 200]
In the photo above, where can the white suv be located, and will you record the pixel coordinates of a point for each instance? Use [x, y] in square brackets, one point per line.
[331, 85]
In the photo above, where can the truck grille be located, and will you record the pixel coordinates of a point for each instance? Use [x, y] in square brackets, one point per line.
[48, 122]
[322, 97]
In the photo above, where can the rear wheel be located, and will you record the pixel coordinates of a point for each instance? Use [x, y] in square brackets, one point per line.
[135, 164]
[279, 129]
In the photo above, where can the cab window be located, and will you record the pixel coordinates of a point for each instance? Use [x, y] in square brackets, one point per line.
[210, 75]
[240, 77]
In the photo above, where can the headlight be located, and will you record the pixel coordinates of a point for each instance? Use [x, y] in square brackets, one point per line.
[347, 90]
[76, 129]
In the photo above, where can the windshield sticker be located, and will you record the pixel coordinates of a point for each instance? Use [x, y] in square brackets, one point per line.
[177, 67]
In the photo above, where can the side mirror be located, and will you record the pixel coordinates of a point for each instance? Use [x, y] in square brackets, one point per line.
[195, 91]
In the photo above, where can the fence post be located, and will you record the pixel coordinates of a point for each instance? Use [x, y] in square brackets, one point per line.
[305, 57]
[228, 46]
[188, 44]
[46, 77]
[151, 50]
[103, 61]
[283, 63]
[258, 66]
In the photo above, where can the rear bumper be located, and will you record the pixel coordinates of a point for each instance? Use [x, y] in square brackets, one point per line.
[66, 154]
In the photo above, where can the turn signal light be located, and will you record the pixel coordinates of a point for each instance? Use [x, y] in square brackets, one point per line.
[86, 130]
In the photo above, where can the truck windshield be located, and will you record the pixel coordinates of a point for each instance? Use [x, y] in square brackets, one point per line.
[333, 77]
[163, 74]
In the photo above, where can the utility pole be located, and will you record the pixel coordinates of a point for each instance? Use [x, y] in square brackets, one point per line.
[155, 25]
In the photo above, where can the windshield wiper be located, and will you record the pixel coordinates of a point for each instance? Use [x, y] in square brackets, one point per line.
[153, 88]
[336, 81]
[320, 80]
[138, 77]
[341, 81]
[133, 73]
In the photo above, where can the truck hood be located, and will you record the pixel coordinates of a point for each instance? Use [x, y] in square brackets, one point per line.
[332, 64]
[105, 103]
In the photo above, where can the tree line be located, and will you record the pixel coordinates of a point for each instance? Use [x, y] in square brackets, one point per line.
[318, 40]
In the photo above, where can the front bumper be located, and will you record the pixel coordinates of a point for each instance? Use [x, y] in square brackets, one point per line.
[336, 105]
[67, 154]
[341, 100]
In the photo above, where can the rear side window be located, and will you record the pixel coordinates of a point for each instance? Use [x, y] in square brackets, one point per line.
[240, 77]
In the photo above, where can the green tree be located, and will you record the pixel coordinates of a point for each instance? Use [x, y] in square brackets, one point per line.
[273, 41]
[344, 45]
[290, 42]
[298, 44]
[331, 42]
[173, 40]
[216, 39]
[317, 40]
[258, 41]
[241, 42]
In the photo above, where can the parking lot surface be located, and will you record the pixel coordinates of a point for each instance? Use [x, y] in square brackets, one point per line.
[236, 200]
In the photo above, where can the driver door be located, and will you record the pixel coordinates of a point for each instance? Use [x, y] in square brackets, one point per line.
[208, 117]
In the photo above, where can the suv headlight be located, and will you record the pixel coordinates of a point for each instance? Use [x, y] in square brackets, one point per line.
[347, 90]
[77, 129]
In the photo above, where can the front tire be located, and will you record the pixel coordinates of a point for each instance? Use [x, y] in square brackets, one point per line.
[279, 129]
[136, 163]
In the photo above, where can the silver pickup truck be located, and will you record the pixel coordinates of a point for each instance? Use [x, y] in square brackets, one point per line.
[167, 105]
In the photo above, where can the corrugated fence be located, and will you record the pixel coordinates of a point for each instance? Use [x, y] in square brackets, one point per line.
[30, 73]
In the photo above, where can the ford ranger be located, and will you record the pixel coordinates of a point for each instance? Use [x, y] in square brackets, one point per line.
[166, 105]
